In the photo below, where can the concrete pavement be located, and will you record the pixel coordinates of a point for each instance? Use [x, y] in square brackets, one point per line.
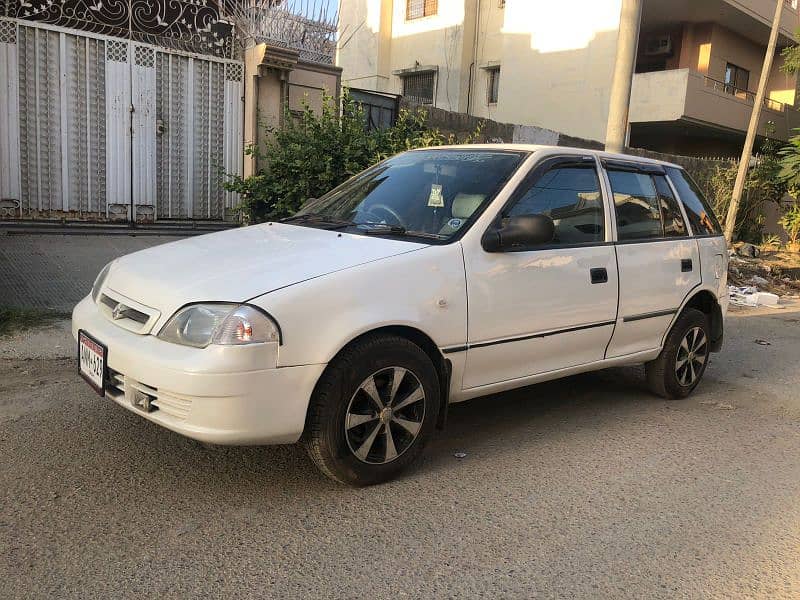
[584, 488]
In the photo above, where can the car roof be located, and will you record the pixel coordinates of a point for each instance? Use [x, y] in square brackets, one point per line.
[562, 149]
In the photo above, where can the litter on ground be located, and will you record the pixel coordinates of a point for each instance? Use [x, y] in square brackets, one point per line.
[750, 296]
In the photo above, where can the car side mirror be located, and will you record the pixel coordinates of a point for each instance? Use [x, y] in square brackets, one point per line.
[519, 232]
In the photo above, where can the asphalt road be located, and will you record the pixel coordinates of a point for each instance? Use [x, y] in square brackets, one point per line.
[584, 488]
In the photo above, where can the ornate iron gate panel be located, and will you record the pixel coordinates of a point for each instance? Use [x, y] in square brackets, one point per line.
[103, 128]
[58, 122]
[118, 128]
[200, 137]
[144, 125]
[10, 183]
[196, 26]
[172, 143]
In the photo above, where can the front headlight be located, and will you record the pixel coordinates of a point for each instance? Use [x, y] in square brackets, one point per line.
[98, 282]
[199, 325]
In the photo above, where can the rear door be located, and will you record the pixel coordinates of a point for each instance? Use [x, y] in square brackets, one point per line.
[659, 264]
[707, 231]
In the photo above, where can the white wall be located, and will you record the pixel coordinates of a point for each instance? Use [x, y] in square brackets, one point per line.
[556, 58]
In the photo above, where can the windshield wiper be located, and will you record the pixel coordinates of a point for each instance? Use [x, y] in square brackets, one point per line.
[399, 230]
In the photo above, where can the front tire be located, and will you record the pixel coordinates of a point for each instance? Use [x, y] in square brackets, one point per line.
[373, 411]
[679, 368]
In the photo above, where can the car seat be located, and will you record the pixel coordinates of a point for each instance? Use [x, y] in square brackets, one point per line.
[464, 205]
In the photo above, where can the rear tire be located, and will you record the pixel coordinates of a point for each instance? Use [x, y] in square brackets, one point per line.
[682, 362]
[373, 411]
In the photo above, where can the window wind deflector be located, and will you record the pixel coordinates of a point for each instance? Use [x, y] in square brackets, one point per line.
[632, 167]
[574, 161]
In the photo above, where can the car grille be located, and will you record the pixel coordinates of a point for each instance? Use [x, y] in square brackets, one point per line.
[146, 398]
[126, 316]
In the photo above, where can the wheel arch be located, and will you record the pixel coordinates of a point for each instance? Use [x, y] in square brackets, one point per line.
[421, 339]
[706, 302]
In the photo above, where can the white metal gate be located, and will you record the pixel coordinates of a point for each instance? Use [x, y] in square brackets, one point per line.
[94, 127]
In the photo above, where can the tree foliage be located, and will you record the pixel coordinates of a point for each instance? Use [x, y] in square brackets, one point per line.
[791, 59]
[763, 186]
[789, 173]
[315, 152]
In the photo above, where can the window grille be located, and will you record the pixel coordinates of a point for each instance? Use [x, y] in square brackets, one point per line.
[416, 9]
[493, 90]
[419, 87]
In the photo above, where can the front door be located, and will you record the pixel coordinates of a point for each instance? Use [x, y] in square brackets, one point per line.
[540, 309]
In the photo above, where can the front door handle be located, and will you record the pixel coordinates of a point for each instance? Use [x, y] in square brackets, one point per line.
[599, 275]
[686, 265]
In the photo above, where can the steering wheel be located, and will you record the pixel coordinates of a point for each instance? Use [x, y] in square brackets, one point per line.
[387, 210]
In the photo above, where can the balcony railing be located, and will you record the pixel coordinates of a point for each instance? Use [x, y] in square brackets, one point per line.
[747, 96]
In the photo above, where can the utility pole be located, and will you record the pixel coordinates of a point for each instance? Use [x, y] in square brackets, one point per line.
[627, 42]
[744, 164]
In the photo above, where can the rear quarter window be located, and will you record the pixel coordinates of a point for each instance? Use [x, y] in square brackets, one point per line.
[700, 214]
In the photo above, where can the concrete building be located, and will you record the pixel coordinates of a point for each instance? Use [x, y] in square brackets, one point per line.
[550, 64]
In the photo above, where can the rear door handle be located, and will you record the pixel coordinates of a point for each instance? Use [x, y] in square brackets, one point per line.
[599, 275]
[686, 265]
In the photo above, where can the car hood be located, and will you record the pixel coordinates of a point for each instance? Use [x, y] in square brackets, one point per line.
[239, 264]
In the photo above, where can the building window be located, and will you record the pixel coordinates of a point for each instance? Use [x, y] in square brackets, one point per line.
[494, 85]
[419, 87]
[737, 78]
[416, 9]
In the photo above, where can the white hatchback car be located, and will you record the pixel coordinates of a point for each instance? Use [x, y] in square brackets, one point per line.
[433, 277]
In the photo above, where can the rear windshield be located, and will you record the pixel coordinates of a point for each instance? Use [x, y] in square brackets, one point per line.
[700, 214]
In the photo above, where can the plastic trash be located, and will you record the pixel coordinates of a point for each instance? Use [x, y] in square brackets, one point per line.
[750, 296]
[766, 299]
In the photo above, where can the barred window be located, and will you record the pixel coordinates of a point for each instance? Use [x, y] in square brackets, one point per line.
[493, 91]
[419, 87]
[416, 9]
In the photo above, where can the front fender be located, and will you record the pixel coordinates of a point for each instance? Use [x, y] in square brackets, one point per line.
[424, 290]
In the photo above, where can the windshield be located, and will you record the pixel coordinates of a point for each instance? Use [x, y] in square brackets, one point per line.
[428, 193]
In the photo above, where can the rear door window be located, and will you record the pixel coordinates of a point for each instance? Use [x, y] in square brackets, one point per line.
[701, 216]
[637, 206]
[674, 225]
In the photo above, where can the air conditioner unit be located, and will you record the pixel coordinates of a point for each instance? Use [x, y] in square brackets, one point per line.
[658, 46]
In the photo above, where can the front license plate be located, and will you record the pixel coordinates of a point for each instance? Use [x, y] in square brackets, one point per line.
[92, 361]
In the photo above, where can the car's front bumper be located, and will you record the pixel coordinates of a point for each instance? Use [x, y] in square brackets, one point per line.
[222, 395]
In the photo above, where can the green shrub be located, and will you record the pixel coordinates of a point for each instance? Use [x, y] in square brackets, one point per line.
[789, 172]
[313, 153]
[770, 242]
[790, 221]
[763, 186]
